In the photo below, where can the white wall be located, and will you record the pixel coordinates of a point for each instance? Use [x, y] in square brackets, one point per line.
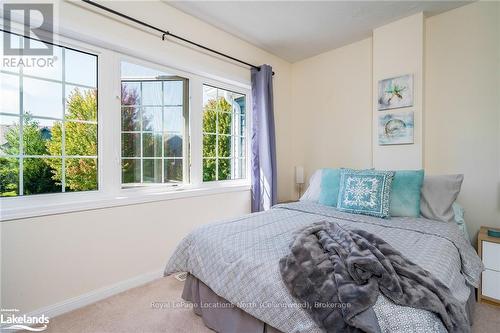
[50, 259]
[462, 117]
[47, 260]
[331, 96]
[461, 97]
[398, 49]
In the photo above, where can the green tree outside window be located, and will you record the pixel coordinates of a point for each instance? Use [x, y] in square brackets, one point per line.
[44, 175]
[217, 115]
[81, 140]
[37, 174]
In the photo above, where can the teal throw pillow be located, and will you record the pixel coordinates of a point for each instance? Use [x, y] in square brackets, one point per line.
[330, 184]
[365, 192]
[405, 196]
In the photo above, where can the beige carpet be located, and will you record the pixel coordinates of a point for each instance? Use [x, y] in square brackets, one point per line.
[133, 311]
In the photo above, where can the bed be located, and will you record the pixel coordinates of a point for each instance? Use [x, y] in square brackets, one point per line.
[238, 260]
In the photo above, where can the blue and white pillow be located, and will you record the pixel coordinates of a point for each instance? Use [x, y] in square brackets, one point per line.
[365, 192]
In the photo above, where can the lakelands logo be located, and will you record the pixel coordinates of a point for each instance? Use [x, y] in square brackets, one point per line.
[10, 320]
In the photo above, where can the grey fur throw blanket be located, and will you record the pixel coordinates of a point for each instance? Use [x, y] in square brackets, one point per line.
[337, 275]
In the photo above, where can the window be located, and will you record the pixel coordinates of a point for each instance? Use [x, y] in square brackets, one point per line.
[154, 120]
[48, 125]
[159, 133]
[224, 134]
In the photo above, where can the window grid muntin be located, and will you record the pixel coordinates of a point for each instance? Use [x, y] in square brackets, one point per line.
[164, 133]
[21, 156]
[63, 132]
[20, 171]
[52, 118]
[141, 122]
[29, 76]
[233, 137]
[163, 138]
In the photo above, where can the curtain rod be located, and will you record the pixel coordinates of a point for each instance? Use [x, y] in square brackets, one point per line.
[166, 33]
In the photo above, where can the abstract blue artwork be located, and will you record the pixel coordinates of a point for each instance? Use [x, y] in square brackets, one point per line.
[395, 92]
[395, 128]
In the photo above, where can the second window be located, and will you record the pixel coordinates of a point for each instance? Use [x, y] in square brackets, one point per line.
[224, 134]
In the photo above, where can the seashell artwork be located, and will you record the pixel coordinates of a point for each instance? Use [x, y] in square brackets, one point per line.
[395, 128]
[396, 92]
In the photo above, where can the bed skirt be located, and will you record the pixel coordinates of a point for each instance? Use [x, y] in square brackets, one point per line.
[221, 316]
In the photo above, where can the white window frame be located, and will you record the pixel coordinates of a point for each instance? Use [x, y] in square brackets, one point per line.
[110, 192]
[156, 187]
[247, 93]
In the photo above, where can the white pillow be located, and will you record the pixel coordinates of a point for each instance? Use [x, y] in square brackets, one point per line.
[314, 189]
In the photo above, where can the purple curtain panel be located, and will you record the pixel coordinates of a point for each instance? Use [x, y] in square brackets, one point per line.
[263, 154]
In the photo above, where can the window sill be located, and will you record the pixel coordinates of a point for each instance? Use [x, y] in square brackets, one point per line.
[50, 204]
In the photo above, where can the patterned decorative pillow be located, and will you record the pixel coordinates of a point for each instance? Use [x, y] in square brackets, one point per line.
[365, 192]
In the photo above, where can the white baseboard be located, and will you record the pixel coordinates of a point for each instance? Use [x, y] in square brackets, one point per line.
[93, 296]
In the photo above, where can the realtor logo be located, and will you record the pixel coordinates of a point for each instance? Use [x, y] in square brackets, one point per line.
[38, 21]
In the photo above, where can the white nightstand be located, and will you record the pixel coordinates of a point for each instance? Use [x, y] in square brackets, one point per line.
[489, 251]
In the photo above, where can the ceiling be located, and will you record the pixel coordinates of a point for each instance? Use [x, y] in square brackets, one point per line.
[295, 30]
